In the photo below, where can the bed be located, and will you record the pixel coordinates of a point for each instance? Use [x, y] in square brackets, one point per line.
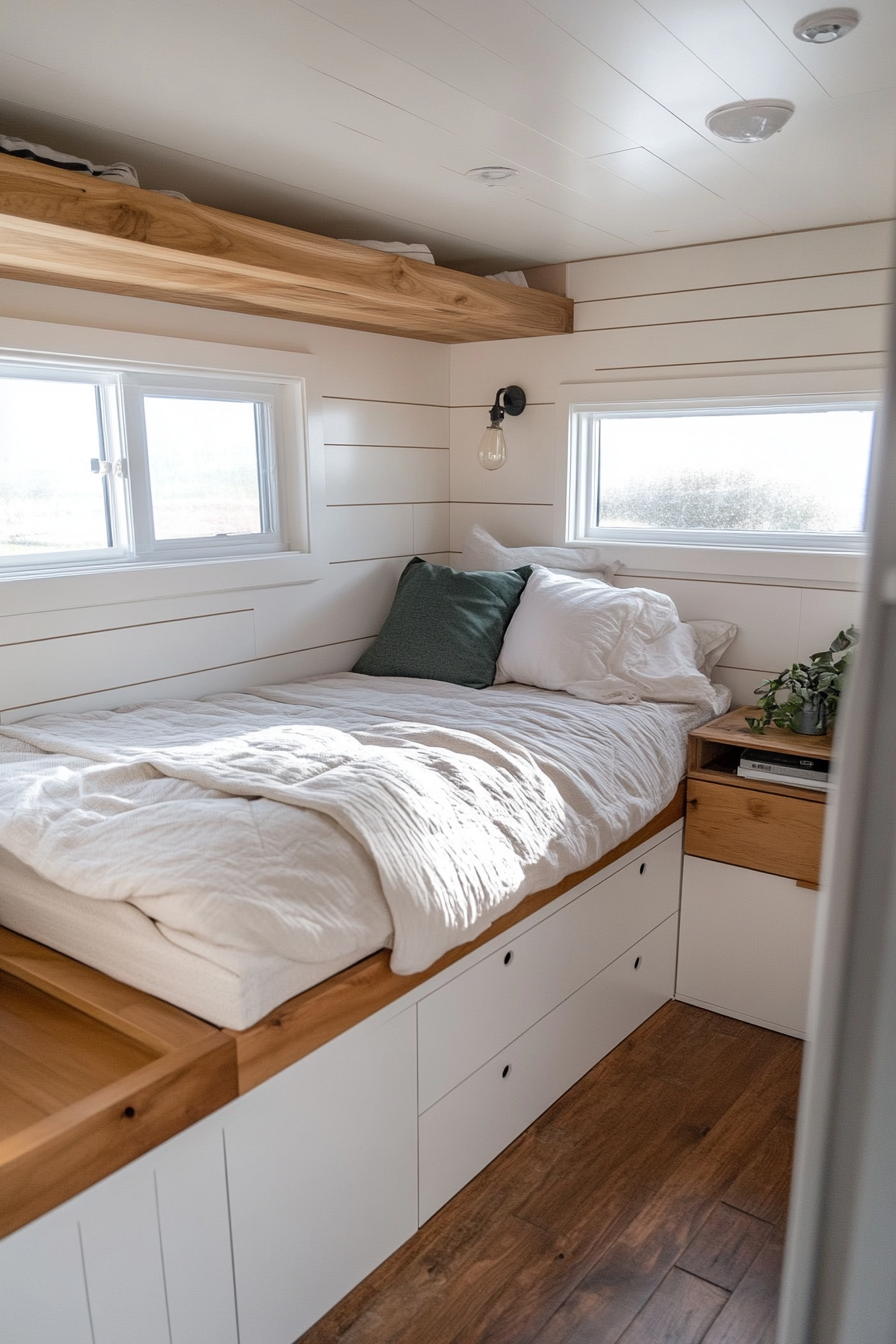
[227, 854]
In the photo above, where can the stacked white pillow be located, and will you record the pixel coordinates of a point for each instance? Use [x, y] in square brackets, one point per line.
[617, 646]
[482, 551]
[573, 631]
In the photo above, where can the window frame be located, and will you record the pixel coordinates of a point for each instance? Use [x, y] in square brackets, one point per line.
[584, 476]
[135, 387]
[693, 554]
[83, 578]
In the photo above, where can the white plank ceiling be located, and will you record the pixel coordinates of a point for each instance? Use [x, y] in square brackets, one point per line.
[359, 118]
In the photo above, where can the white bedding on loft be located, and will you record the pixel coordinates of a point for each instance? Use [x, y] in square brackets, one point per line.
[315, 820]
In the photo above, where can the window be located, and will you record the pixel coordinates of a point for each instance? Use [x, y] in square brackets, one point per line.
[103, 466]
[778, 476]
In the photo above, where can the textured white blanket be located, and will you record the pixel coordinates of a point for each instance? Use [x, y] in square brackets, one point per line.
[451, 804]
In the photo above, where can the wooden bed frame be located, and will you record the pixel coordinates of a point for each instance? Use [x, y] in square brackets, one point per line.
[96, 1073]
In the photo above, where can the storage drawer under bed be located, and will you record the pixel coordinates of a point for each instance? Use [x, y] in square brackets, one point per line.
[468, 1020]
[466, 1129]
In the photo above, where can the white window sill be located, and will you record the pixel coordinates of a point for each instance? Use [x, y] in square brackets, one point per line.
[132, 582]
[810, 569]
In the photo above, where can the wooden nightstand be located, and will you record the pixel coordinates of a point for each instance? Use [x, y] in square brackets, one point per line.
[752, 856]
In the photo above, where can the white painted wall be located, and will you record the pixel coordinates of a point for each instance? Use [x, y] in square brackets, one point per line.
[793, 310]
[790, 313]
[386, 432]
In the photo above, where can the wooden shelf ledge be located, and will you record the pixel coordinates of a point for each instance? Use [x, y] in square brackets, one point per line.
[92, 1075]
[61, 228]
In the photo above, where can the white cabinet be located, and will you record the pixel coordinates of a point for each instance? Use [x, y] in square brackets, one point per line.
[119, 1227]
[322, 1173]
[465, 1022]
[142, 1256]
[43, 1294]
[463, 1131]
[194, 1232]
[271, 1209]
[746, 944]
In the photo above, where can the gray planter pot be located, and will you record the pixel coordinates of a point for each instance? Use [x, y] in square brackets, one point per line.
[812, 719]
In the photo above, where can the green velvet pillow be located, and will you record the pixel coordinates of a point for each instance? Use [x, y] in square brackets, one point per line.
[445, 625]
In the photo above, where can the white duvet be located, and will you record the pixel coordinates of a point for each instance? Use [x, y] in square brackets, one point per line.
[306, 819]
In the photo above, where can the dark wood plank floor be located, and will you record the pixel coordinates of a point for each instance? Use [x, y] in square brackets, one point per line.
[647, 1206]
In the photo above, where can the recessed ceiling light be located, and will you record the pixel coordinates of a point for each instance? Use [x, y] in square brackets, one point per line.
[826, 26]
[747, 122]
[495, 173]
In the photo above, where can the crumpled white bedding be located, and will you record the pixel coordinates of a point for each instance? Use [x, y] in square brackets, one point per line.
[415, 808]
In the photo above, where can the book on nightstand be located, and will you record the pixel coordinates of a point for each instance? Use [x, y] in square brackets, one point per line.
[776, 767]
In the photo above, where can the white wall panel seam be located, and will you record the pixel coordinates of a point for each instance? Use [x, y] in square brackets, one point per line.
[193, 671]
[733, 284]
[131, 625]
[738, 317]
[86, 1284]
[722, 363]
[410, 448]
[386, 401]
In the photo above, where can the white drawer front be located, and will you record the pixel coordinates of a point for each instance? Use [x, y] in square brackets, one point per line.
[746, 943]
[463, 1131]
[468, 1020]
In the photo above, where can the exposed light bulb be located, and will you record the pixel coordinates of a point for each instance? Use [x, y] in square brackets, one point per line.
[492, 448]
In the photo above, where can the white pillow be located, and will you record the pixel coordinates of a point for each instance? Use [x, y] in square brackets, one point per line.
[713, 639]
[611, 645]
[482, 551]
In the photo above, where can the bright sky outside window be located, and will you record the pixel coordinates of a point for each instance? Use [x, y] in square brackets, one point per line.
[779, 475]
[50, 500]
[203, 466]
[105, 466]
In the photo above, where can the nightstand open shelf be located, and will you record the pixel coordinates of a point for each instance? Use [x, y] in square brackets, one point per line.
[714, 753]
[752, 858]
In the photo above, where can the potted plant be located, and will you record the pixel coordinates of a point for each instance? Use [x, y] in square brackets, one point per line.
[805, 696]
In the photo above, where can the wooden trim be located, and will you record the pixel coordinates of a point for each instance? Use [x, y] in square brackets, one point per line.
[63, 1154]
[139, 1016]
[732, 730]
[750, 829]
[721, 772]
[309, 1020]
[61, 228]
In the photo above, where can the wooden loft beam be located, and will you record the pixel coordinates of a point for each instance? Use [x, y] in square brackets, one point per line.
[61, 228]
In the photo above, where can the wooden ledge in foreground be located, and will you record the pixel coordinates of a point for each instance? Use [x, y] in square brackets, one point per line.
[64, 228]
[93, 1075]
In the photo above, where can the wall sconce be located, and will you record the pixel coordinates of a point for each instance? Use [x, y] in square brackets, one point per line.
[493, 449]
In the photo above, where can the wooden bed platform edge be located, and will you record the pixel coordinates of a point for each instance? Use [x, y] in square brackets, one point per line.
[326, 1010]
[188, 1068]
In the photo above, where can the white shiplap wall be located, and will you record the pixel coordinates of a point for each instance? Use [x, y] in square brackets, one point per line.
[794, 311]
[386, 456]
[788, 306]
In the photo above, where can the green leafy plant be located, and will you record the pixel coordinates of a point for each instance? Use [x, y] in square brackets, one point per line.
[813, 686]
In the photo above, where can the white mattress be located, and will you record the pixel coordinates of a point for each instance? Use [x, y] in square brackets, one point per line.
[154, 877]
[235, 989]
